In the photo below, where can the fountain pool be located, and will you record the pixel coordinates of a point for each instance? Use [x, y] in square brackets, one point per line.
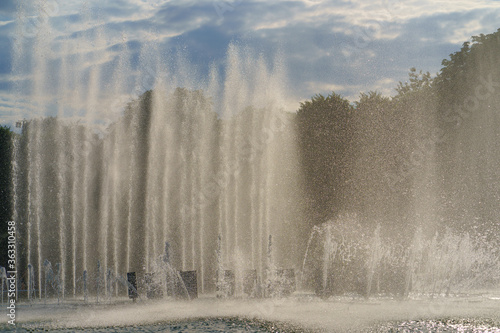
[304, 313]
[139, 173]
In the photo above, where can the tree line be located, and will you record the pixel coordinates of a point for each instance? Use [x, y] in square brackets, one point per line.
[423, 156]
[429, 152]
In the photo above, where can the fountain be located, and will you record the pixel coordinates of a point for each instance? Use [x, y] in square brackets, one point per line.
[109, 283]
[3, 278]
[85, 287]
[147, 178]
[149, 162]
[49, 275]
[341, 259]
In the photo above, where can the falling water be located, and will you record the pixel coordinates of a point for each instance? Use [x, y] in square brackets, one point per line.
[143, 150]
[342, 257]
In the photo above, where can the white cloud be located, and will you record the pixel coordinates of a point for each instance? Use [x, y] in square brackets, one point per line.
[382, 12]
[384, 85]
[12, 109]
[459, 34]
[312, 88]
[342, 46]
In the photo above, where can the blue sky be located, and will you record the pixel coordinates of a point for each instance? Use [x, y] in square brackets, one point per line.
[343, 46]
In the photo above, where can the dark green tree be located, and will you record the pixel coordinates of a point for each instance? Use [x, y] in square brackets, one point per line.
[416, 82]
[373, 150]
[5, 189]
[468, 90]
[324, 134]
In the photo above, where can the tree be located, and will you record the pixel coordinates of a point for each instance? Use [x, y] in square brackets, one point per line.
[467, 89]
[5, 189]
[416, 82]
[324, 133]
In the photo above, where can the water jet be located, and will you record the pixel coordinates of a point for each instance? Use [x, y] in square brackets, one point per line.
[144, 179]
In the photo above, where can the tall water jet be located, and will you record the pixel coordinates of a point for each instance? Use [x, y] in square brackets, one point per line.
[345, 258]
[3, 280]
[159, 154]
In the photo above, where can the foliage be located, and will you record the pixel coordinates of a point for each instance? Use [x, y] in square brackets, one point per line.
[5, 188]
[468, 89]
[359, 156]
[417, 82]
[378, 157]
[325, 130]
